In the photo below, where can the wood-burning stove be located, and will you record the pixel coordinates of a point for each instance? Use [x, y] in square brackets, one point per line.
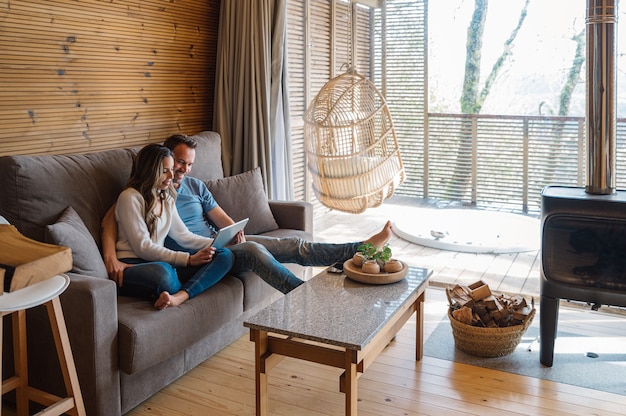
[583, 254]
[583, 248]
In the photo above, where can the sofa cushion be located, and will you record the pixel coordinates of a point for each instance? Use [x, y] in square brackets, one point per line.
[70, 231]
[208, 163]
[37, 189]
[148, 336]
[286, 233]
[243, 196]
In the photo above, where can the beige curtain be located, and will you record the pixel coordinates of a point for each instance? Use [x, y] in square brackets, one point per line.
[251, 106]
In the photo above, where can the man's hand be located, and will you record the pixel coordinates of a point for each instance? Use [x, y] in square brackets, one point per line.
[115, 269]
[239, 238]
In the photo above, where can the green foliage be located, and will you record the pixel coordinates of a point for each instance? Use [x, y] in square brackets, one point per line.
[371, 252]
[385, 254]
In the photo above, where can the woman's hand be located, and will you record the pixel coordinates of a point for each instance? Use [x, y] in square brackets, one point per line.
[201, 257]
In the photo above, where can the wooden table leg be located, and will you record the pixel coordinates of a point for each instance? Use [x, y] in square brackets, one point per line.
[351, 390]
[260, 349]
[419, 330]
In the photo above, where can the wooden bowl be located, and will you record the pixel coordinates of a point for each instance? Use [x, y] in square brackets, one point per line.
[382, 278]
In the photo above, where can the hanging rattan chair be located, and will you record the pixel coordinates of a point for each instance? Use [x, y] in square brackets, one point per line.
[352, 149]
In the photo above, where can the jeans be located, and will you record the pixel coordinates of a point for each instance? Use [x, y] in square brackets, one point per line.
[148, 279]
[264, 255]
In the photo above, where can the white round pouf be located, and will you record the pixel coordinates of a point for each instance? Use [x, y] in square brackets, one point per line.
[470, 230]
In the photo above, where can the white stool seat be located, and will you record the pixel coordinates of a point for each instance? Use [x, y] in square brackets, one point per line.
[34, 295]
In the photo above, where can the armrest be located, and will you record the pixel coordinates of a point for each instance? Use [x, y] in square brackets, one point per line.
[90, 310]
[295, 215]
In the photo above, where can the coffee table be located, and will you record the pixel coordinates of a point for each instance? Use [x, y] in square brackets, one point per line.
[336, 321]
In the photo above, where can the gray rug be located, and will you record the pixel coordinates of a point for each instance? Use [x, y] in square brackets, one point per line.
[591, 362]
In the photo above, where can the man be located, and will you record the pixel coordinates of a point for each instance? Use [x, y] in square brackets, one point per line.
[262, 255]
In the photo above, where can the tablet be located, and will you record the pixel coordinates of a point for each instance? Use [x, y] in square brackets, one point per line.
[225, 235]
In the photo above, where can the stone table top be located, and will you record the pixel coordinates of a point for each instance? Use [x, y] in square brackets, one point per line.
[336, 310]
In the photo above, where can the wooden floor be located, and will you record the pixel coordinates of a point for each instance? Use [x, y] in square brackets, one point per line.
[395, 384]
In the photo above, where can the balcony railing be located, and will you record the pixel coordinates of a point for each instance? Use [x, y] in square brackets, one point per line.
[505, 160]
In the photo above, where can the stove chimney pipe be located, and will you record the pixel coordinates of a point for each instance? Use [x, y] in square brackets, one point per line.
[600, 115]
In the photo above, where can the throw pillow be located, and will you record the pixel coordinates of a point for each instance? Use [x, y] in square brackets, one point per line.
[70, 231]
[243, 196]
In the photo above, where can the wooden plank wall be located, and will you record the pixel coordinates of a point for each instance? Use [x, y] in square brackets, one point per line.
[88, 75]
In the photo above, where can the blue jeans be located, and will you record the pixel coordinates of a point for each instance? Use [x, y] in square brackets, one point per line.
[264, 255]
[148, 279]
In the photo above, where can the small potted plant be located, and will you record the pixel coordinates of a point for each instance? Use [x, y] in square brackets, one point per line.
[392, 265]
[387, 263]
[364, 258]
[372, 257]
[358, 259]
[384, 255]
[361, 255]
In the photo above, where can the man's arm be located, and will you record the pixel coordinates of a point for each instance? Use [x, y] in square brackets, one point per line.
[115, 268]
[220, 218]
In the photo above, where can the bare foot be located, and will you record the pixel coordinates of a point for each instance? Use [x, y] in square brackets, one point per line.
[179, 298]
[165, 299]
[381, 238]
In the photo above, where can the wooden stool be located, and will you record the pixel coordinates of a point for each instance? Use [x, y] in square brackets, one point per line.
[46, 292]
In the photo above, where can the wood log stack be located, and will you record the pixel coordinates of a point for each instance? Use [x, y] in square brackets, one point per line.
[476, 305]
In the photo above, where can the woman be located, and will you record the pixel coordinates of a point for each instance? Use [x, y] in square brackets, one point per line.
[146, 214]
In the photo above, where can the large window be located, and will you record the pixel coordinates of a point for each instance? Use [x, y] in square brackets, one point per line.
[320, 48]
[528, 48]
[382, 40]
[488, 131]
[541, 61]
[507, 100]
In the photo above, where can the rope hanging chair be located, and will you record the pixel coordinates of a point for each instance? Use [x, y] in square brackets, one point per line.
[352, 149]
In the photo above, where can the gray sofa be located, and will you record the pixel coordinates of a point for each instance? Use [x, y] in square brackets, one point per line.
[124, 349]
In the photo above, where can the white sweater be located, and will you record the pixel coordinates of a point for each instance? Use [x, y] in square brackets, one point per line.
[134, 241]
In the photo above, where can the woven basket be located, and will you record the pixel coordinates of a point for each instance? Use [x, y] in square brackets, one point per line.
[488, 342]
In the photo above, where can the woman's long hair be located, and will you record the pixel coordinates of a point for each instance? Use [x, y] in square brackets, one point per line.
[145, 176]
